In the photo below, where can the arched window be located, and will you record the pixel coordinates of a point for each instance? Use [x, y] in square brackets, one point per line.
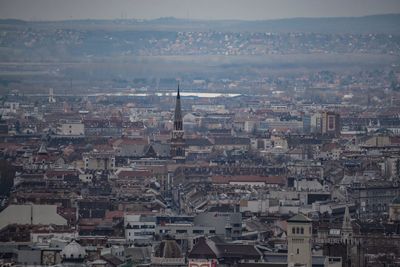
[302, 230]
[298, 251]
[297, 230]
[293, 231]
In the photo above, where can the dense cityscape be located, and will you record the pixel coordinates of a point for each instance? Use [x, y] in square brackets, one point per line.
[280, 148]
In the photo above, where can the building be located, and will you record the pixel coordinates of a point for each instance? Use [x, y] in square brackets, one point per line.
[185, 234]
[99, 161]
[139, 228]
[330, 124]
[177, 138]
[226, 221]
[374, 197]
[72, 128]
[394, 210]
[299, 232]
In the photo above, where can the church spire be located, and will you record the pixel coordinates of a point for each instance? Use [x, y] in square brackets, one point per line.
[346, 219]
[178, 113]
[177, 138]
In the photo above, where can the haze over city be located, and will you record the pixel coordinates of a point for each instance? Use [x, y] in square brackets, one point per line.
[192, 9]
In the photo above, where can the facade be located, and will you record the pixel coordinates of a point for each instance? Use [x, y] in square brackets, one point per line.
[299, 233]
[72, 128]
[139, 228]
[394, 210]
[330, 124]
[374, 197]
[177, 138]
[99, 161]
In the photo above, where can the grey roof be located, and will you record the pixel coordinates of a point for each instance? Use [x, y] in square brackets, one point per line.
[299, 218]
[138, 253]
[198, 142]
[232, 141]
[168, 249]
[31, 214]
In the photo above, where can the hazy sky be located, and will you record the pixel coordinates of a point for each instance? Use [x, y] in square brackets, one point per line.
[198, 9]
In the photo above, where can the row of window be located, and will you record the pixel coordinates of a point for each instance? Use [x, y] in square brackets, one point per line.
[299, 230]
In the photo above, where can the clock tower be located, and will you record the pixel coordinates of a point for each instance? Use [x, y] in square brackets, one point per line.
[177, 139]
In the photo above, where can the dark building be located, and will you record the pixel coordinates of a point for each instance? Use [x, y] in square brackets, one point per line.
[373, 198]
[177, 138]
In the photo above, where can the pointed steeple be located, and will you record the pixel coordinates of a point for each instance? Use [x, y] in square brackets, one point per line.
[177, 136]
[346, 220]
[42, 149]
[178, 113]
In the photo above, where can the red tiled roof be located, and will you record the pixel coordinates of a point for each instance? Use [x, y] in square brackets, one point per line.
[130, 141]
[114, 214]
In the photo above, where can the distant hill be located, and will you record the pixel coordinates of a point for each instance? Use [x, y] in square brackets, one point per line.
[388, 23]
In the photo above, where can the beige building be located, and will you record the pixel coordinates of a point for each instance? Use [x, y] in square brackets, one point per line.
[72, 128]
[299, 232]
[394, 210]
[99, 161]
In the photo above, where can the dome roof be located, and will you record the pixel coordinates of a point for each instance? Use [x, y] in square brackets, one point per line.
[73, 251]
[396, 200]
[168, 249]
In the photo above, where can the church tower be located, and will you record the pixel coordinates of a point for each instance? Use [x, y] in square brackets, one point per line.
[347, 229]
[299, 233]
[348, 239]
[177, 139]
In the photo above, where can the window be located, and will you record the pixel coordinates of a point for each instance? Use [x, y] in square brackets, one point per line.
[297, 230]
[293, 230]
[302, 230]
[298, 251]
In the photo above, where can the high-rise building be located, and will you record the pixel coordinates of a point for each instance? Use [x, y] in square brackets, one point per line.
[177, 138]
[330, 124]
[299, 232]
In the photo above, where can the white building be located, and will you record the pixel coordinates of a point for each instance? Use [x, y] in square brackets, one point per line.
[139, 228]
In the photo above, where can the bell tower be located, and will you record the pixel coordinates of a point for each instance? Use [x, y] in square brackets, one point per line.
[177, 138]
[299, 233]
